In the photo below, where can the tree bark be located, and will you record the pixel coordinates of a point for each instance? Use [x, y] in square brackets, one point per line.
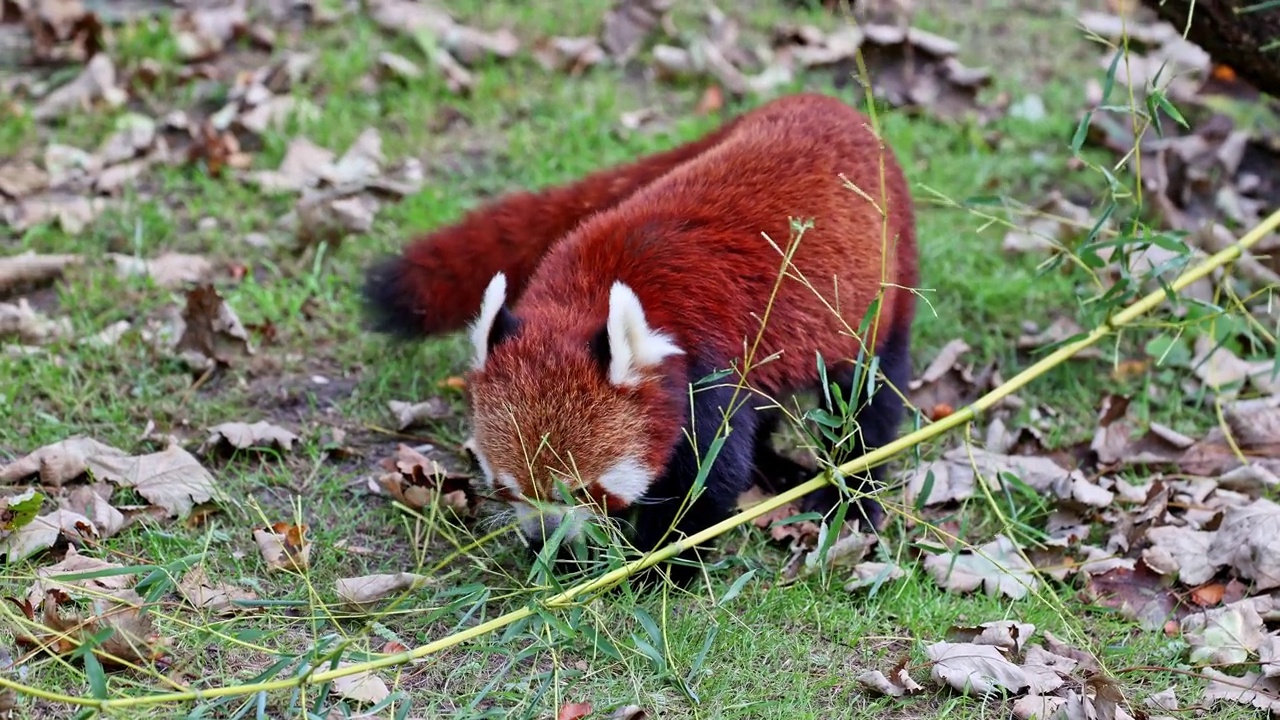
[1237, 39]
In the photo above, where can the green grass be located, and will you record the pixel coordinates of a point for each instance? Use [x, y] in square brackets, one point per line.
[773, 651]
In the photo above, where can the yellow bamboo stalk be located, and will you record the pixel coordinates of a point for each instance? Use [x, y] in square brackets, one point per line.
[967, 414]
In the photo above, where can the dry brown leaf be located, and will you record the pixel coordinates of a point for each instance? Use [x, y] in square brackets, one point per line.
[866, 574]
[362, 687]
[361, 162]
[73, 212]
[171, 478]
[135, 137]
[95, 84]
[1060, 330]
[629, 23]
[202, 32]
[1208, 595]
[1216, 177]
[242, 436]
[976, 669]
[629, 712]
[284, 546]
[846, 551]
[330, 216]
[803, 533]
[955, 476]
[169, 270]
[1248, 541]
[304, 165]
[465, 43]
[1074, 706]
[908, 67]
[73, 563]
[897, 684]
[573, 711]
[30, 268]
[1229, 635]
[1138, 594]
[1037, 707]
[1180, 550]
[1223, 372]
[948, 381]
[1251, 689]
[398, 66]
[132, 639]
[22, 321]
[365, 590]
[211, 332]
[716, 54]
[1007, 635]
[93, 502]
[572, 55]
[203, 593]
[1269, 655]
[411, 414]
[61, 31]
[1084, 659]
[44, 532]
[57, 463]
[418, 481]
[1053, 223]
[19, 178]
[996, 567]
[1117, 442]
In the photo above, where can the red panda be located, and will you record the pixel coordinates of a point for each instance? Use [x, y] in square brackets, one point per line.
[595, 307]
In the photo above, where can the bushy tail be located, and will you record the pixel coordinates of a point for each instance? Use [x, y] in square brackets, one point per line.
[436, 284]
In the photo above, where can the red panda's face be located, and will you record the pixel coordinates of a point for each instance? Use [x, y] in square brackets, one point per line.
[566, 428]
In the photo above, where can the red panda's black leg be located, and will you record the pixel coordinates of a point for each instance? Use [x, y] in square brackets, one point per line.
[878, 424]
[775, 472]
[665, 515]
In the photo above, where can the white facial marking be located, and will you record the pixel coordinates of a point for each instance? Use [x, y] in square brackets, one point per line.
[633, 345]
[494, 297]
[508, 481]
[532, 519]
[628, 480]
[483, 461]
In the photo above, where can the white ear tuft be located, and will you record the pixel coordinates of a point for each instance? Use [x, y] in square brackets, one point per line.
[494, 297]
[633, 345]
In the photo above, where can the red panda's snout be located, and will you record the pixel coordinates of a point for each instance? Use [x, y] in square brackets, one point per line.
[565, 411]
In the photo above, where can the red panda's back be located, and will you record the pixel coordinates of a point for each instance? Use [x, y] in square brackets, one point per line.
[693, 244]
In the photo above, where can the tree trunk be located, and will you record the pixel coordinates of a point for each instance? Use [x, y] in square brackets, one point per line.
[1247, 42]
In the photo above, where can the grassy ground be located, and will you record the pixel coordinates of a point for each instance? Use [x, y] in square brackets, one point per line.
[769, 652]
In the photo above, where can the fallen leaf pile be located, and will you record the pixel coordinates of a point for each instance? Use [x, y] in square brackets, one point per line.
[1211, 180]
[998, 659]
[171, 480]
[907, 67]
[117, 625]
[418, 481]
[72, 186]
[339, 196]
[1191, 550]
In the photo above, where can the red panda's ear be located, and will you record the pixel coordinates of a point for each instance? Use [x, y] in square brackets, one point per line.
[633, 346]
[495, 322]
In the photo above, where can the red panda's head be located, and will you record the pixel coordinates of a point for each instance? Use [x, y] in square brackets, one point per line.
[577, 409]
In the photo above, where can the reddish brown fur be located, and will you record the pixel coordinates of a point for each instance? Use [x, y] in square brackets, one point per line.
[690, 246]
[436, 284]
[683, 229]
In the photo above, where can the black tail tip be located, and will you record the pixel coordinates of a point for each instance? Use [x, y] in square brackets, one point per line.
[388, 301]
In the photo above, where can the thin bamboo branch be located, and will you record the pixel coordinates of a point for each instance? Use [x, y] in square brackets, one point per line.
[876, 457]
